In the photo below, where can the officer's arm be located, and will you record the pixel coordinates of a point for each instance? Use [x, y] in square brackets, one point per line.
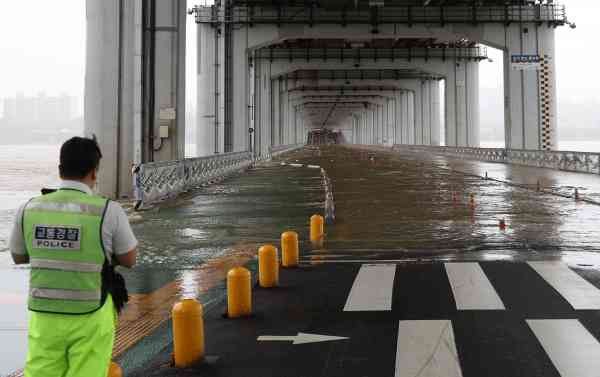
[121, 236]
[127, 260]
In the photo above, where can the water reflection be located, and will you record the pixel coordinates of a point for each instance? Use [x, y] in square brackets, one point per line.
[203, 226]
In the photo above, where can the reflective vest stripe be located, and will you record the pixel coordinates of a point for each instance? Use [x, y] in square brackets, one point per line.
[78, 208]
[65, 266]
[64, 294]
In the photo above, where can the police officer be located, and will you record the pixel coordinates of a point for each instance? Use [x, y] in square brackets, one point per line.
[70, 238]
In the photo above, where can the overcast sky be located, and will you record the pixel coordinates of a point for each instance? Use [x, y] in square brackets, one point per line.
[42, 48]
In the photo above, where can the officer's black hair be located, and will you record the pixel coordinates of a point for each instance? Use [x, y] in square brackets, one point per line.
[78, 157]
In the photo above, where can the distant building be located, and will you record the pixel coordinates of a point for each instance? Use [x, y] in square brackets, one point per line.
[39, 109]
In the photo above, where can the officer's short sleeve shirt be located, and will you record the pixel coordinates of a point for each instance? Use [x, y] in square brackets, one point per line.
[117, 235]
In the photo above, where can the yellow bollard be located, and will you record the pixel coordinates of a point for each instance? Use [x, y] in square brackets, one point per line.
[316, 228]
[188, 332]
[114, 370]
[239, 293]
[268, 266]
[289, 249]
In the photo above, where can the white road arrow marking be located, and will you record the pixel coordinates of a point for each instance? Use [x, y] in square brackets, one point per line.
[301, 338]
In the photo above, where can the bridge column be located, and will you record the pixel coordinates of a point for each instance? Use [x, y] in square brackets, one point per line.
[207, 140]
[530, 95]
[166, 71]
[411, 121]
[426, 111]
[398, 139]
[385, 121]
[275, 107]
[429, 112]
[239, 97]
[435, 111]
[365, 127]
[134, 86]
[379, 132]
[462, 104]
[392, 120]
[374, 125]
[403, 124]
[418, 106]
[265, 108]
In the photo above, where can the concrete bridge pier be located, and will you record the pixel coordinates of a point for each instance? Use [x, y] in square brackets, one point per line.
[529, 89]
[209, 131]
[134, 85]
[462, 104]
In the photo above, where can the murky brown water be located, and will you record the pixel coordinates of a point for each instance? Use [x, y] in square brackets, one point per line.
[398, 206]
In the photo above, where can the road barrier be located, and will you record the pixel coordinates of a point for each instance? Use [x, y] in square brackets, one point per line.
[239, 293]
[581, 162]
[114, 370]
[290, 251]
[188, 333]
[268, 267]
[317, 228]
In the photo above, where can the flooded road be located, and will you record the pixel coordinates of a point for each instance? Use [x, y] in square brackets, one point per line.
[389, 206]
[407, 206]
[186, 247]
[247, 210]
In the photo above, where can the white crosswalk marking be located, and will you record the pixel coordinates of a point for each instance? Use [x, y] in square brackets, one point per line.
[426, 349]
[471, 288]
[372, 288]
[573, 350]
[580, 293]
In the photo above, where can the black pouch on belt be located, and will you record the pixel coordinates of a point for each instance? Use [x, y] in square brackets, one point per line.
[115, 285]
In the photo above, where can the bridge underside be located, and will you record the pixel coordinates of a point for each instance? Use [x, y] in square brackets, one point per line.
[269, 73]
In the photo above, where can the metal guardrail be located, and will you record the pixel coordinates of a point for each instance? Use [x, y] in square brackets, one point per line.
[553, 14]
[581, 162]
[157, 181]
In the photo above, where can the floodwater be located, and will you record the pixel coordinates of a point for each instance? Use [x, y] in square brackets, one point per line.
[186, 245]
[251, 209]
[389, 206]
[407, 206]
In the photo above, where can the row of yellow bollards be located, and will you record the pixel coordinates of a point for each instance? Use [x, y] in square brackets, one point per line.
[188, 324]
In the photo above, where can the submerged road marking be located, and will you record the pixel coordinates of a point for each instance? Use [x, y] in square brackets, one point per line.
[301, 338]
[471, 288]
[426, 348]
[580, 293]
[372, 288]
[573, 350]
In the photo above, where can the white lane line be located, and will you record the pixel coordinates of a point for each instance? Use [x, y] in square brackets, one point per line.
[426, 349]
[573, 350]
[372, 288]
[472, 289]
[580, 293]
